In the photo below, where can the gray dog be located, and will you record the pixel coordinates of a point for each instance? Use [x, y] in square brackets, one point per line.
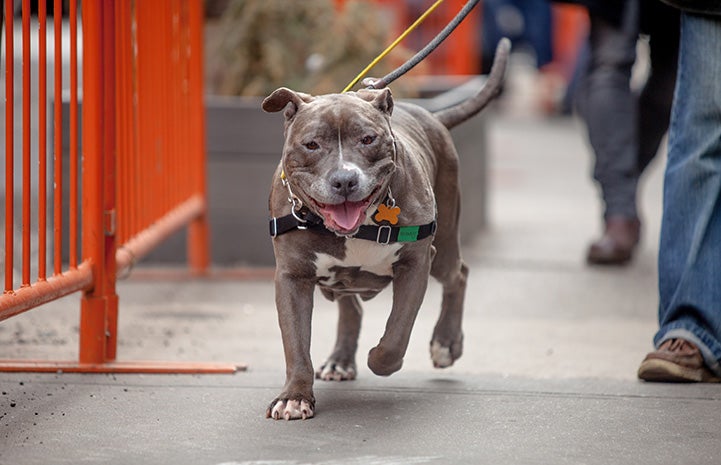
[362, 199]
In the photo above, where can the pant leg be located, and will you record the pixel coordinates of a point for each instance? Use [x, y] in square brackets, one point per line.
[609, 109]
[662, 24]
[689, 262]
[537, 28]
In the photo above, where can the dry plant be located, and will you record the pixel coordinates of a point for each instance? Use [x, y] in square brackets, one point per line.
[309, 46]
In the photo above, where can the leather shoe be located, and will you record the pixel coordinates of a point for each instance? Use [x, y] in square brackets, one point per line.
[616, 246]
[676, 361]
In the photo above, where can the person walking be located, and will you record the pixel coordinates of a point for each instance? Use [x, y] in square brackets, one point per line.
[625, 130]
[688, 342]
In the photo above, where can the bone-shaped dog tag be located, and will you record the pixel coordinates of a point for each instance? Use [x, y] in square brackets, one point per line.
[386, 213]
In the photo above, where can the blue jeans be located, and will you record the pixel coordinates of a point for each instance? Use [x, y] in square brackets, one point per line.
[689, 262]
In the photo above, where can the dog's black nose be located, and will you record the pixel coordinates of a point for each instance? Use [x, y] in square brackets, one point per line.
[344, 182]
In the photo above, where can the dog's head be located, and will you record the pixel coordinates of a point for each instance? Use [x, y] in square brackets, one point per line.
[339, 152]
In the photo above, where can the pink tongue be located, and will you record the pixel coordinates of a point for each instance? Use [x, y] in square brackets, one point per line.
[345, 215]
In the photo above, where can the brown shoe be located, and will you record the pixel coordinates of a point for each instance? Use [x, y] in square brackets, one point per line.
[616, 246]
[676, 361]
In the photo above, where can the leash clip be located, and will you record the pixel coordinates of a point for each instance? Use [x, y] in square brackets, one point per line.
[391, 201]
[295, 202]
[295, 211]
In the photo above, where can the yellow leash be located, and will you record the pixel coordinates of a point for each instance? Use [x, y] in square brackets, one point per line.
[392, 46]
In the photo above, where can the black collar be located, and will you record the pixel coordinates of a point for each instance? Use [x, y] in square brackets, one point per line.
[381, 234]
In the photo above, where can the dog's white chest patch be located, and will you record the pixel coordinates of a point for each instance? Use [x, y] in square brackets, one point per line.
[367, 255]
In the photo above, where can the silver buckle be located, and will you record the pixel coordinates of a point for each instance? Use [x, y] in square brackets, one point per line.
[274, 227]
[388, 237]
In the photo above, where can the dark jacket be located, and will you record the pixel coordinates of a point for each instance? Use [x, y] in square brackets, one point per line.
[708, 7]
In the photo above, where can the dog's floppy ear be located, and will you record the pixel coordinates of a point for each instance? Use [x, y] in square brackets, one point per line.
[382, 99]
[287, 99]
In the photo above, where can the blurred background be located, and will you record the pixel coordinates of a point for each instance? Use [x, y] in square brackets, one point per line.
[318, 46]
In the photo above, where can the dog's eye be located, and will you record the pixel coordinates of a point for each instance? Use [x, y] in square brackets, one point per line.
[312, 145]
[367, 140]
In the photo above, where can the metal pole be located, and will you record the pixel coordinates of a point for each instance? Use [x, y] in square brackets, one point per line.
[99, 304]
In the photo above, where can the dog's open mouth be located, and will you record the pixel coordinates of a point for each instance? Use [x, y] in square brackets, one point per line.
[346, 217]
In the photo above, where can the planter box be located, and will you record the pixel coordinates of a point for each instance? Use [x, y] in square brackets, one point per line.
[243, 148]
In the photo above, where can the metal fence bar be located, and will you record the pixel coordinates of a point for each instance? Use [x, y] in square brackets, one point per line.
[25, 251]
[42, 140]
[74, 149]
[98, 120]
[124, 117]
[150, 237]
[58, 131]
[9, 146]
[198, 230]
[26, 298]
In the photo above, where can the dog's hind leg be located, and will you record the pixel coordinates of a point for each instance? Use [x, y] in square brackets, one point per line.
[448, 268]
[447, 340]
[341, 366]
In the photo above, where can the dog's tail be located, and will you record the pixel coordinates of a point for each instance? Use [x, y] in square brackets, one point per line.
[455, 115]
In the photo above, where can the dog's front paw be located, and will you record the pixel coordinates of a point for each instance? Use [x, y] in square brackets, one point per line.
[290, 409]
[336, 371]
[383, 362]
[443, 356]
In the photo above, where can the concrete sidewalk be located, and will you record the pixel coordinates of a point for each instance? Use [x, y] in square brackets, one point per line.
[547, 377]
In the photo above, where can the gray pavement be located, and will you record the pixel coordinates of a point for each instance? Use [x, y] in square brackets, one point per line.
[547, 377]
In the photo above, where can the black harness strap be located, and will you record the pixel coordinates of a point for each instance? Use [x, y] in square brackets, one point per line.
[381, 234]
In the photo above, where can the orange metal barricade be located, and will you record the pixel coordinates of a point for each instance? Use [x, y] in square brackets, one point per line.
[142, 164]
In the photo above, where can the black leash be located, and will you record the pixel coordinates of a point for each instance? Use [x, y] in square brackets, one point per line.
[425, 51]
